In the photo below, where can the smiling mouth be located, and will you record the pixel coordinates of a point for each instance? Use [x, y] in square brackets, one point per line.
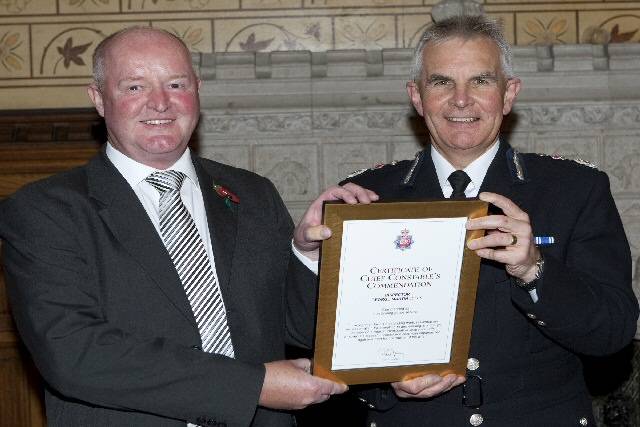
[157, 122]
[462, 119]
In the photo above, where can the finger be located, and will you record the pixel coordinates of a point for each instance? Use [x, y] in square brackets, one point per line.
[302, 363]
[501, 256]
[362, 194]
[509, 208]
[416, 385]
[316, 233]
[432, 388]
[496, 240]
[329, 388]
[492, 222]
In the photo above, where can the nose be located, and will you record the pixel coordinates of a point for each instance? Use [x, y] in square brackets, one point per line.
[461, 96]
[158, 99]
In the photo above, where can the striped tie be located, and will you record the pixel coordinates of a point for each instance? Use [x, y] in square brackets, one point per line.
[181, 238]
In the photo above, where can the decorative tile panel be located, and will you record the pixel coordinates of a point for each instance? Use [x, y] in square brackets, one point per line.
[27, 7]
[369, 33]
[197, 35]
[89, 6]
[545, 28]
[179, 5]
[257, 35]
[609, 27]
[63, 50]
[14, 51]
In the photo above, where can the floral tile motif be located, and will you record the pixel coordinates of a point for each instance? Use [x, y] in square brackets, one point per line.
[14, 51]
[370, 32]
[609, 27]
[27, 7]
[178, 5]
[65, 51]
[545, 28]
[253, 35]
[89, 6]
[195, 34]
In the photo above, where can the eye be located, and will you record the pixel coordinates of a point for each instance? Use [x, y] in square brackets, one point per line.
[177, 85]
[441, 82]
[134, 88]
[483, 81]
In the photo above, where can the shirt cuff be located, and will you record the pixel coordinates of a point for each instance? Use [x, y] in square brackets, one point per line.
[308, 262]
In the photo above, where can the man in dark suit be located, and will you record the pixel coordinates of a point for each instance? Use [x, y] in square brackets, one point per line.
[153, 287]
[555, 277]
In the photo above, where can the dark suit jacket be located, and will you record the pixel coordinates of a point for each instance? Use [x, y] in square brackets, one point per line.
[100, 306]
[528, 353]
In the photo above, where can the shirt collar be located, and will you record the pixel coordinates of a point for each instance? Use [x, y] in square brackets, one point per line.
[476, 169]
[135, 172]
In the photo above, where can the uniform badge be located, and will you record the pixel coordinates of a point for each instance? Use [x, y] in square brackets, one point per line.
[404, 240]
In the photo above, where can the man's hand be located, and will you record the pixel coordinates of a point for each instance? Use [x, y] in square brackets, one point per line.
[509, 238]
[427, 385]
[310, 231]
[288, 385]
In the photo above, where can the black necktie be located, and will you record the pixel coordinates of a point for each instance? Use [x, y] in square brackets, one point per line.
[459, 181]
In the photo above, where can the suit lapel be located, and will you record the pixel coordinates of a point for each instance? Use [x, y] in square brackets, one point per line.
[426, 184]
[221, 219]
[123, 214]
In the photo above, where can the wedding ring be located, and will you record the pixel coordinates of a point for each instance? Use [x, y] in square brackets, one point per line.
[514, 239]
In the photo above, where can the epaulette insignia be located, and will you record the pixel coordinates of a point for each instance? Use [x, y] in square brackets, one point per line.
[356, 173]
[576, 160]
[518, 166]
[374, 167]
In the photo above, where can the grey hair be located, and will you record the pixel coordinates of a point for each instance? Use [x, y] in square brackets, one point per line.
[466, 27]
[101, 50]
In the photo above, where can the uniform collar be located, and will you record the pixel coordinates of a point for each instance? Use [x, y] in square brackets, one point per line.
[476, 170]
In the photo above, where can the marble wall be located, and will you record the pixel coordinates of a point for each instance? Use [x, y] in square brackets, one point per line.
[46, 45]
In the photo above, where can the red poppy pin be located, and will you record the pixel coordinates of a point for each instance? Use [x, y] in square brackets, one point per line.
[226, 194]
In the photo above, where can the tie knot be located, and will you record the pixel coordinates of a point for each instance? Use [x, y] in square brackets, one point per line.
[459, 181]
[168, 180]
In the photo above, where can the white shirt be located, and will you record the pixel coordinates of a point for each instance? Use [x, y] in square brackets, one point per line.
[476, 170]
[190, 193]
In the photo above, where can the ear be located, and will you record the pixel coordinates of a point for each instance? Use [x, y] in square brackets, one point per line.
[96, 97]
[511, 92]
[413, 90]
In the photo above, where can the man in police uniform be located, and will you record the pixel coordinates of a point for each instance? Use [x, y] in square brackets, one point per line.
[555, 278]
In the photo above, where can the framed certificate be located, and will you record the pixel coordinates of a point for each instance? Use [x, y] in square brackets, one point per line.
[397, 290]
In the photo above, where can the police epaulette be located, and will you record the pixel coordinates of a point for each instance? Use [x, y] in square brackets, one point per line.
[374, 167]
[576, 160]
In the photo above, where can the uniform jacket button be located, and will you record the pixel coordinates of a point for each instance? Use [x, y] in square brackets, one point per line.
[473, 364]
[541, 323]
[476, 419]
[531, 316]
[583, 421]
[373, 424]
